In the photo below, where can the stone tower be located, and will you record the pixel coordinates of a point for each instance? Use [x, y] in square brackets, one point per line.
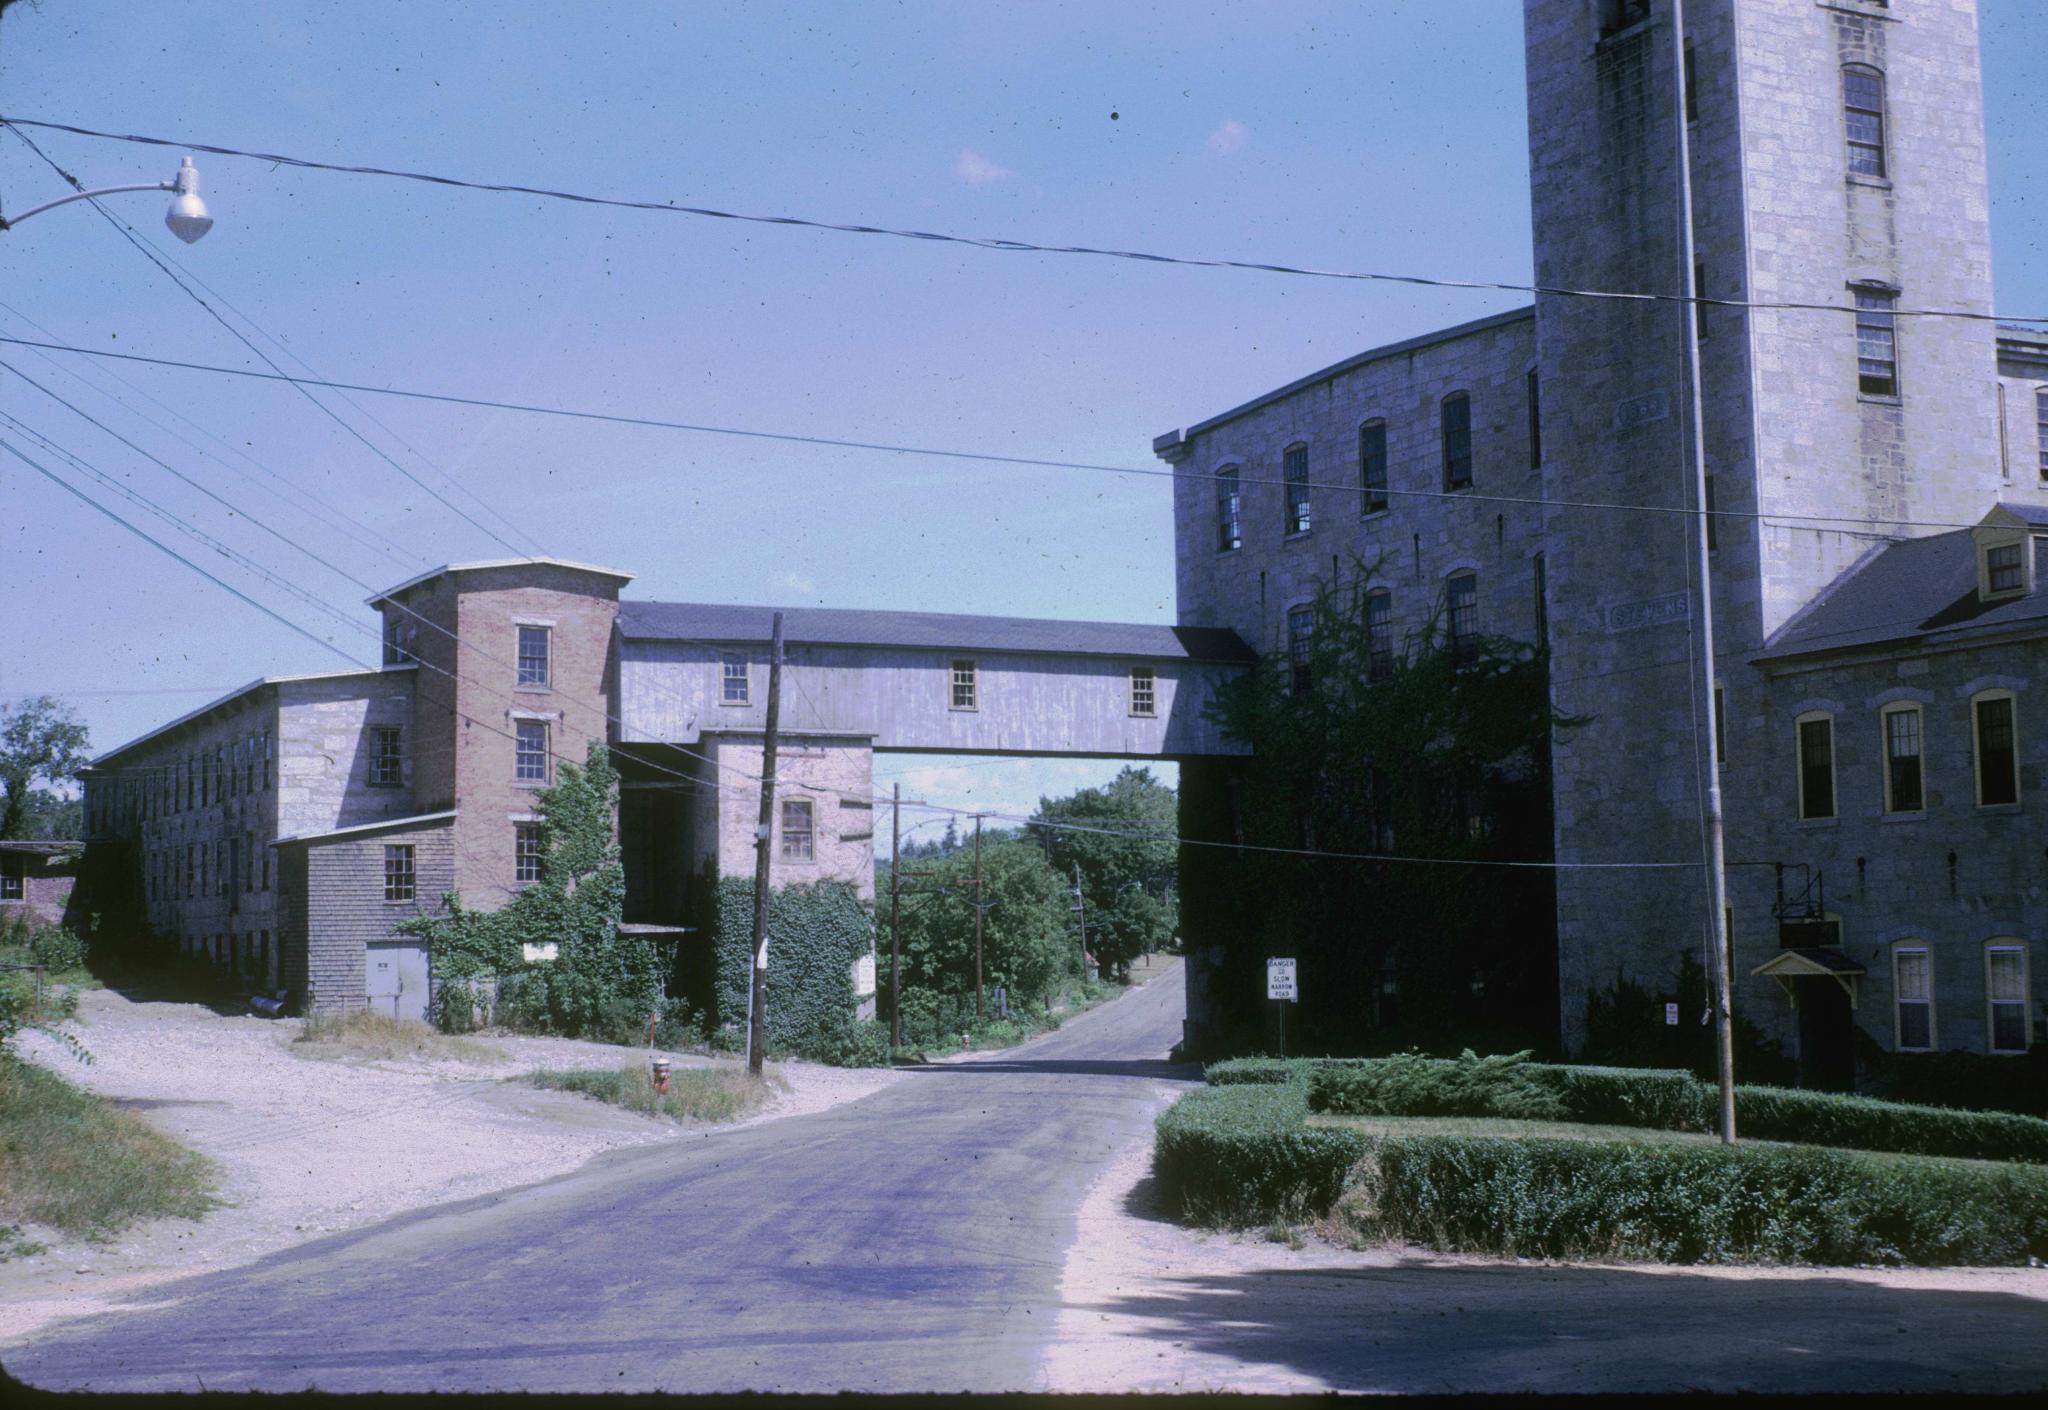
[1837, 160]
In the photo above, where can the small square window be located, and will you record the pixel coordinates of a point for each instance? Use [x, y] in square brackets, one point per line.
[13, 880]
[526, 852]
[733, 678]
[965, 695]
[530, 764]
[399, 877]
[1144, 692]
[533, 656]
[2005, 568]
[799, 833]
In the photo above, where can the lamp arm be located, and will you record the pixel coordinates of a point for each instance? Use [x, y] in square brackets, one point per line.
[7, 222]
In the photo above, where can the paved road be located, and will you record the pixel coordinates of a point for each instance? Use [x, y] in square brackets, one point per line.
[909, 1241]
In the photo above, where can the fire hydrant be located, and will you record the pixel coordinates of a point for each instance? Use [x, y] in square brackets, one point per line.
[661, 1074]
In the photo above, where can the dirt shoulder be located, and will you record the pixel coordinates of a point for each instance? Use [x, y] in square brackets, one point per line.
[312, 1145]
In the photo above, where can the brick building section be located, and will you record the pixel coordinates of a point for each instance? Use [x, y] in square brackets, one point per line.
[463, 625]
[333, 898]
[36, 881]
[833, 773]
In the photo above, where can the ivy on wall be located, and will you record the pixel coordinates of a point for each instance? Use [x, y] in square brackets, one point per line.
[599, 983]
[815, 933]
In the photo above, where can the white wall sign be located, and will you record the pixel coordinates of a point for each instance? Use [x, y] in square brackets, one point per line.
[864, 976]
[1671, 1015]
[1280, 980]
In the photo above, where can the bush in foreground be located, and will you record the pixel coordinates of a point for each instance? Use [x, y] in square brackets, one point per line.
[1246, 1155]
[707, 1094]
[73, 1161]
[1697, 1203]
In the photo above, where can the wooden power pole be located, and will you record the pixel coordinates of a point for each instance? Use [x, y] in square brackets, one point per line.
[757, 1003]
[895, 893]
[980, 1004]
[1081, 911]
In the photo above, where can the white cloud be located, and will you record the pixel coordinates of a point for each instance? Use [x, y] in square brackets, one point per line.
[798, 583]
[1229, 138]
[977, 170]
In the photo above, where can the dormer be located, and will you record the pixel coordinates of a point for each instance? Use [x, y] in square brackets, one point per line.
[2006, 553]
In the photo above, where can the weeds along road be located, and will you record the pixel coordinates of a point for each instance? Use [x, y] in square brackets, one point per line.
[909, 1241]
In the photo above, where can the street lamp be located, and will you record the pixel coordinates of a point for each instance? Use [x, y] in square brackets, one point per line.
[187, 218]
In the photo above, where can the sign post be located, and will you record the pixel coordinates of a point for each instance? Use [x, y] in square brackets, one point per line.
[1281, 988]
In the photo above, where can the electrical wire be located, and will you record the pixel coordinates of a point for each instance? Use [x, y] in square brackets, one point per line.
[1006, 246]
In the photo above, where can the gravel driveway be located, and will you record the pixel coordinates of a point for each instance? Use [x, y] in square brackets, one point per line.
[313, 1145]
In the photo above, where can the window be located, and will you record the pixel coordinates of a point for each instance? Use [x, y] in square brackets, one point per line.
[1379, 634]
[1535, 397]
[1461, 598]
[2005, 995]
[2004, 449]
[1913, 993]
[525, 852]
[1816, 735]
[266, 758]
[533, 656]
[1455, 417]
[249, 765]
[1713, 519]
[1720, 725]
[191, 869]
[249, 862]
[2004, 569]
[386, 769]
[265, 867]
[1372, 465]
[1294, 470]
[1618, 15]
[530, 760]
[1542, 583]
[733, 678]
[1998, 774]
[799, 835]
[1301, 627]
[1863, 115]
[2041, 429]
[1692, 91]
[965, 691]
[1229, 516]
[1902, 781]
[1144, 692]
[399, 877]
[13, 884]
[398, 641]
[1877, 348]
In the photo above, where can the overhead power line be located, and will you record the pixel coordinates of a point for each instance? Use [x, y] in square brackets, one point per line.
[1030, 462]
[984, 242]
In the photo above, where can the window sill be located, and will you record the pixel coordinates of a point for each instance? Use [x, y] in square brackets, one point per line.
[1380, 513]
[1819, 822]
[373, 783]
[1913, 817]
[1144, 715]
[1996, 809]
[531, 785]
[1462, 487]
[1298, 535]
[963, 709]
[531, 689]
[734, 704]
[1875, 183]
[1881, 398]
[1238, 548]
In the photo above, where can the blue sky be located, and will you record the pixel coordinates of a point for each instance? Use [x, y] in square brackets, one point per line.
[1387, 136]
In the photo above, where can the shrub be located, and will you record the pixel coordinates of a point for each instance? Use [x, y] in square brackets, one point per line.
[1699, 1203]
[1828, 1119]
[815, 933]
[858, 1043]
[1973, 1081]
[1638, 1096]
[1245, 1155]
[1412, 1085]
[1257, 1071]
[58, 948]
[718, 1093]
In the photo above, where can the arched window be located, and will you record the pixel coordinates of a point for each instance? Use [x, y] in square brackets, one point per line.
[1995, 725]
[1229, 511]
[2009, 1025]
[1912, 996]
[1372, 464]
[1814, 733]
[1294, 470]
[1455, 417]
[1379, 634]
[1863, 117]
[1461, 617]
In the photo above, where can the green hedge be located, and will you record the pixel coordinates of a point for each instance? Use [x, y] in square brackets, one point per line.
[1245, 1154]
[1512, 1087]
[1699, 1203]
[1263, 1071]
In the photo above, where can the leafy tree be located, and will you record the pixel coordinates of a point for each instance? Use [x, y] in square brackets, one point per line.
[40, 739]
[1127, 861]
[1026, 944]
[1425, 748]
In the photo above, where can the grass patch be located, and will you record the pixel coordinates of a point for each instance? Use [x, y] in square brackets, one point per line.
[702, 1094]
[75, 1162]
[379, 1036]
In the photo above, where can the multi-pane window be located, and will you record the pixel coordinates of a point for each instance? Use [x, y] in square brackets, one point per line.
[1379, 634]
[1230, 511]
[533, 656]
[1902, 781]
[2041, 428]
[1301, 628]
[1913, 992]
[525, 852]
[2004, 569]
[1455, 419]
[799, 830]
[1535, 398]
[1294, 470]
[1461, 600]
[1877, 343]
[398, 641]
[1372, 465]
[733, 678]
[2005, 993]
[255, 752]
[13, 886]
[399, 877]
[530, 757]
[1998, 775]
[1863, 117]
[1144, 691]
[386, 756]
[266, 758]
[1816, 734]
[965, 686]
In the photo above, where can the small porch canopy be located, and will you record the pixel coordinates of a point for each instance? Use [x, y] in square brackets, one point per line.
[1789, 965]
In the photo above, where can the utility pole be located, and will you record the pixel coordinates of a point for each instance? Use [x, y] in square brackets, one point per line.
[757, 1004]
[980, 1003]
[1081, 910]
[1717, 857]
[895, 891]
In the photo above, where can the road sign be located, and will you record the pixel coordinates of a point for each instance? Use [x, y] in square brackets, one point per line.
[1671, 1015]
[1280, 980]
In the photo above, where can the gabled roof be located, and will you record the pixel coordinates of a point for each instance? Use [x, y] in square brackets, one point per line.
[544, 561]
[258, 684]
[1916, 589]
[939, 631]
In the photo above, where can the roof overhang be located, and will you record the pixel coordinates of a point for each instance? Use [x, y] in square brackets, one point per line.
[1789, 966]
[418, 820]
[236, 694]
[482, 564]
